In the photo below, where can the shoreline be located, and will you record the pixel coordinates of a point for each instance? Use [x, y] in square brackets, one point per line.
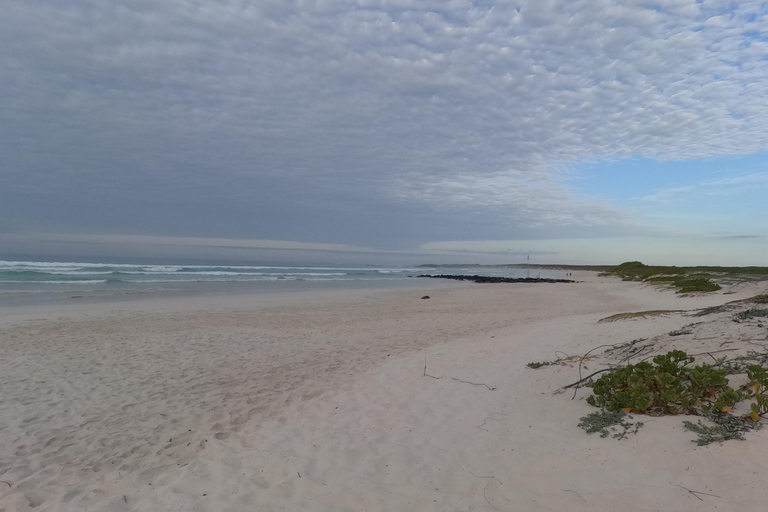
[367, 399]
[31, 298]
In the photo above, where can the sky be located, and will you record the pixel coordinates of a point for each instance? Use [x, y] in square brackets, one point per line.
[386, 131]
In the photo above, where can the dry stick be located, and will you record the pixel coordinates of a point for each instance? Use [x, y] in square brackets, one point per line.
[480, 426]
[473, 383]
[574, 492]
[638, 353]
[486, 499]
[581, 361]
[425, 374]
[492, 477]
[425, 371]
[714, 352]
[582, 380]
[696, 493]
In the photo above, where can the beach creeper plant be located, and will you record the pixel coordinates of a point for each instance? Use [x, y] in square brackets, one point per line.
[669, 385]
[757, 388]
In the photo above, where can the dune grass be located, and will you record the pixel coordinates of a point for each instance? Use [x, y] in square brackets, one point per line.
[639, 314]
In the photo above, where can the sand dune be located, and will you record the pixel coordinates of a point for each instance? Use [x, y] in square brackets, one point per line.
[318, 401]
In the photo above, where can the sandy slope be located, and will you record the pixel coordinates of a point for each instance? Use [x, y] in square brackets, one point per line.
[318, 401]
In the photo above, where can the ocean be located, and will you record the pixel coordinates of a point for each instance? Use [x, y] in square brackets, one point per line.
[59, 275]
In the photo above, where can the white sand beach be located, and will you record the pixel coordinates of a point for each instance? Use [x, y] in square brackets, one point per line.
[321, 401]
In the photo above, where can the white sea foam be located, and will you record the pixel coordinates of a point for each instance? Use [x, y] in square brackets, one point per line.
[14, 273]
[86, 281]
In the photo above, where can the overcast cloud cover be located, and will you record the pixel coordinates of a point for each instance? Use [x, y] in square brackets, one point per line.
[403, 125]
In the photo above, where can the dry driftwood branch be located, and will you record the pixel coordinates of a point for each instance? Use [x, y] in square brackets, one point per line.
[560, 390]
[639, 352]
[714, 352]
[581, 361]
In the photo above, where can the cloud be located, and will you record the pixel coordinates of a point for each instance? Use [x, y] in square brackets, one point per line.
[181, 242]
[285, 119]
[713, 187]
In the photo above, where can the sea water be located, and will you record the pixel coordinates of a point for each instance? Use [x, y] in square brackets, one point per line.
[72, 275]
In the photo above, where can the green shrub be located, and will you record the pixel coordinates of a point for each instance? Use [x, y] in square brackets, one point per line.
[757, 386]
[666, 386]
[680, 277]
[751, 313]
[695, 284]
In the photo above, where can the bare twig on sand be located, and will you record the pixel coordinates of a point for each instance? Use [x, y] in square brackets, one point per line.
[425, 371]
[714, 352]
[486, 499]
[581, 361]
[425, 374]
[474, 383]
[574, 492]
[562, 389]
[490, 417]
[491, 477]
[695, 494]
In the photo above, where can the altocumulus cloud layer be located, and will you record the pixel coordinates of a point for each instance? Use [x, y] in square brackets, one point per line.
[379, 123]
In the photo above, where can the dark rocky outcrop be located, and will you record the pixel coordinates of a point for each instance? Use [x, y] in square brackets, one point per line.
[489, 279]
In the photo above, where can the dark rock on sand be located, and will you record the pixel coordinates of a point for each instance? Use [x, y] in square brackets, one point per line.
[489, 279]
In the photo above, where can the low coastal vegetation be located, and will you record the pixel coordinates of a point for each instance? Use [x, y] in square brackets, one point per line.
[750, 313]
[638, 314]
[684, 279]
[561, 361]
[757, 299]
[671, 385]
[757, 312]
[608, 423]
